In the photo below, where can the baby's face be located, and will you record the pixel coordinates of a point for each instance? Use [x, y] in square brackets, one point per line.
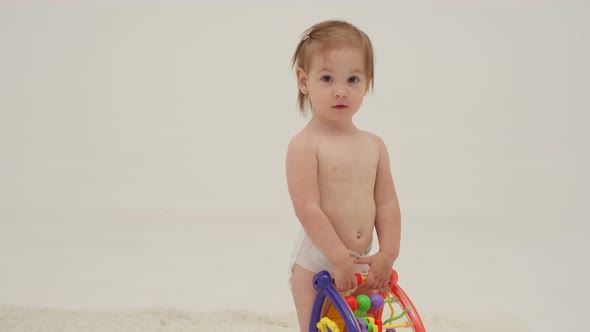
[337, 83]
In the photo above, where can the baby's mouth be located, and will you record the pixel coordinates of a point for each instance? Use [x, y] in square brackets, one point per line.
[339, 107]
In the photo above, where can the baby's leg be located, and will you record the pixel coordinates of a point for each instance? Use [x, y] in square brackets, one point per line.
[303, 294]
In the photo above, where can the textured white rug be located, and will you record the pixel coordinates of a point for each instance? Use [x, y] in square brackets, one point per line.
[23, 319]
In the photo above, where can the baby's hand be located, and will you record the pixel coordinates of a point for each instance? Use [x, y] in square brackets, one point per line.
[380, 265]
[344, 277]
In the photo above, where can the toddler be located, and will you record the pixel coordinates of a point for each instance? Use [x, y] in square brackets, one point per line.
[338, 175]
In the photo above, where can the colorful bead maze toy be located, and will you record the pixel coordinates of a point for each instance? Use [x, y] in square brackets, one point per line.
[334, 313]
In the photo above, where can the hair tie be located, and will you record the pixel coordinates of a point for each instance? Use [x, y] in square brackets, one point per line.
[307, 33]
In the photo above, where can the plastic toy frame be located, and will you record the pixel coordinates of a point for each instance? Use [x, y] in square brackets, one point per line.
[322, 282]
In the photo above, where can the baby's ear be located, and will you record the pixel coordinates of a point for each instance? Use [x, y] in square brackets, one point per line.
[302, 80]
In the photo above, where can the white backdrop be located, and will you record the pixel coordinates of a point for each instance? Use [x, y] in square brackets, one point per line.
[126, 117]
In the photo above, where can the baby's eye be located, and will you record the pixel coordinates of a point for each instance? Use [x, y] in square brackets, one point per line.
[354, 79]
[327, 78]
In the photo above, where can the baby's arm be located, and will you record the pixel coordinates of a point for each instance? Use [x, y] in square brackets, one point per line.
[302, 180]
[387, 224]
[388, 218]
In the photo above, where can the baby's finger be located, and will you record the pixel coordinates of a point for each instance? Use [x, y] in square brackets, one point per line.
[363, 260]
[352, 283]
[350, 286]
[379, 283]
[370, 282]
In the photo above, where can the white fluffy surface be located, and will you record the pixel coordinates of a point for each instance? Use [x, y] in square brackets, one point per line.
[210, 271]
[14, 318]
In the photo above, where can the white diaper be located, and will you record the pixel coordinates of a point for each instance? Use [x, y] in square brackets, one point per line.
[309, 257]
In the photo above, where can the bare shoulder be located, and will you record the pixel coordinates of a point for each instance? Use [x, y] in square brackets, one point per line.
[302, 142]
[302, 152]
[375, 139]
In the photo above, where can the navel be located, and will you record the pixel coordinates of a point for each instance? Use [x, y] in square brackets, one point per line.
[358, 235]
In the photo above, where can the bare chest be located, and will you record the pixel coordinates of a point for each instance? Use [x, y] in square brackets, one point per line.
[348, 161]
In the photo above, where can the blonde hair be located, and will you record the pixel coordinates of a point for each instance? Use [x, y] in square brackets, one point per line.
[326, 36]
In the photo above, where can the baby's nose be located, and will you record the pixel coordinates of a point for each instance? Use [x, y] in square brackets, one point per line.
[340, 93]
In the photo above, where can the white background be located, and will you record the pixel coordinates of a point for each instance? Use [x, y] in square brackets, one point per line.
[142, 150]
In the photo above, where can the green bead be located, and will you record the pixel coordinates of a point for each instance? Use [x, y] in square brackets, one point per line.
[364, 302]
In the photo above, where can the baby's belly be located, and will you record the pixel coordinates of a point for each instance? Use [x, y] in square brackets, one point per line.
[353, 221]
